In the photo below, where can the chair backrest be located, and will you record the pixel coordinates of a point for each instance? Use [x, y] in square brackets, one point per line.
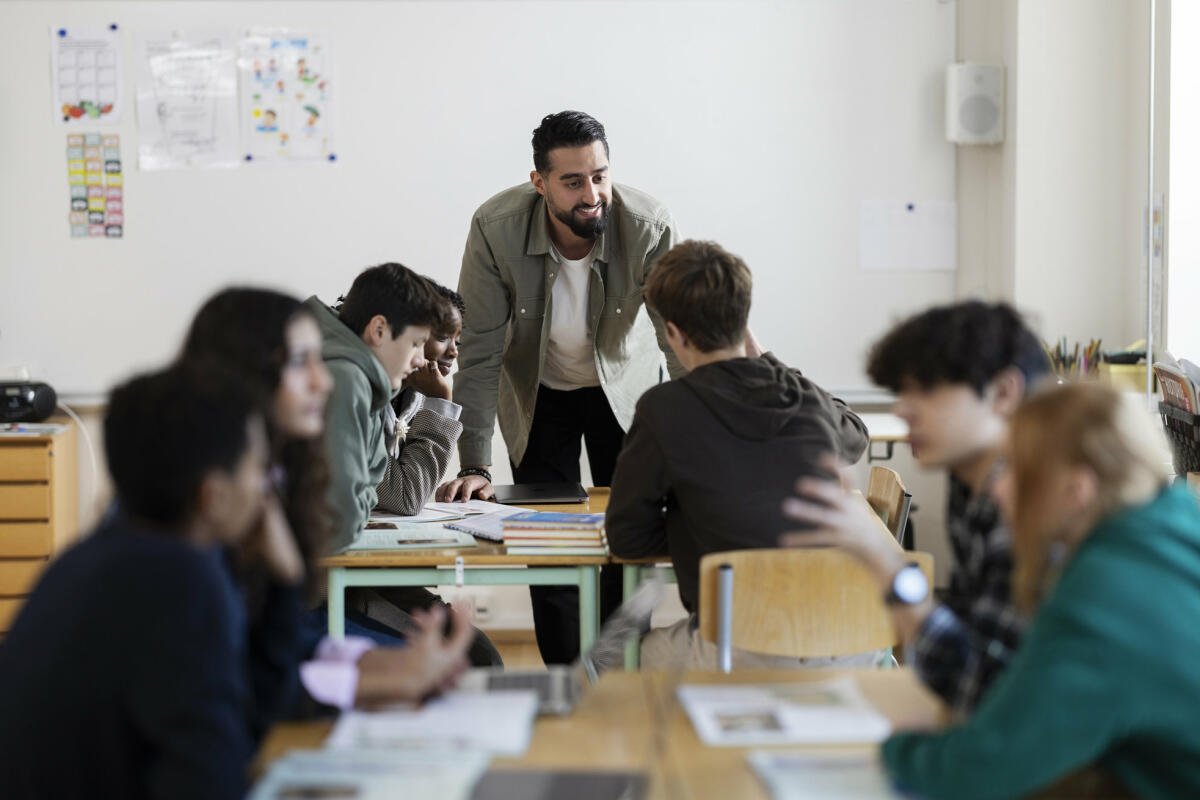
[887, 495]
[800, 602]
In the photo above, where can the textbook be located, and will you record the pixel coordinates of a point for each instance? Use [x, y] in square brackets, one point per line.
[541, 550]
[555, 520]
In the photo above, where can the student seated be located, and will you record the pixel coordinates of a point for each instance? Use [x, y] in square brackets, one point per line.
[124, 674]
[708, 455]
[959, 372]
[372, 344]
[433, 379]
[1109, 557]
[271, 341]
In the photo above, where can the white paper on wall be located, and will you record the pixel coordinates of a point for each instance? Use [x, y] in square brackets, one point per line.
[286, 95]
[85, 71]
[908, 236]
[187, 100]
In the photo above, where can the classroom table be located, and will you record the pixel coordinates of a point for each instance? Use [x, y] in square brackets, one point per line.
[885, 429]
[632, 721]
[486, 564]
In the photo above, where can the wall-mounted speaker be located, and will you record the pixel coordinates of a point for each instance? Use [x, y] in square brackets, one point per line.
[975, 103]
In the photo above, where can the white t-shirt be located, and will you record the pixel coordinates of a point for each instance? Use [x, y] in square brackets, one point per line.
[570, 356]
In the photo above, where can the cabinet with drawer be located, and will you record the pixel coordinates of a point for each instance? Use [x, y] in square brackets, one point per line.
[39, 510]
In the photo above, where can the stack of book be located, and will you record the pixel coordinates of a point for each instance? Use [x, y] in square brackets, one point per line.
[550, 533]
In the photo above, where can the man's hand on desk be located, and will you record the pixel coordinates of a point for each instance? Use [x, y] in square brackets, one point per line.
[464, 488]
[427, 664]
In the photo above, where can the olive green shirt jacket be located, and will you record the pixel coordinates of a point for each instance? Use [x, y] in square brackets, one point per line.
[507, 275]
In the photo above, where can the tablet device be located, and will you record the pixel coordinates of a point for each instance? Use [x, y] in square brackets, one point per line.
[534, 493]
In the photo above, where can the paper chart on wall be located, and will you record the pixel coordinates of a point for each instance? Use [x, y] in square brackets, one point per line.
[85, 66]
[187, 100]
[286, 96]
[97, 185]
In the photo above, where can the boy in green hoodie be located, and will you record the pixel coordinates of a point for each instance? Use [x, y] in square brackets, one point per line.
[372, 343]
[707, 455]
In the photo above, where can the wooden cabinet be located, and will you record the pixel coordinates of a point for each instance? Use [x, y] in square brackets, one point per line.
[39, 510]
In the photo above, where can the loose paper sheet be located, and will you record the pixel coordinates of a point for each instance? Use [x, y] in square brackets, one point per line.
[908, 236]
[187, 100]
[286, 95]
[85, 66]
[820, 712]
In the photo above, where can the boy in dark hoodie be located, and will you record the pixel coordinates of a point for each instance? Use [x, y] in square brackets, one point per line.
[709, 455]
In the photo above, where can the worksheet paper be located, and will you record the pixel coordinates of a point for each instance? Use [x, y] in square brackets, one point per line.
[819, 774]
[187, 100]
[85, 73]
[372, 774]
[500, 723]
[819, 712]
[409, 536]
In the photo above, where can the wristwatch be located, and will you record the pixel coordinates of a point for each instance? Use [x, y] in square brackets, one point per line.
[909, 586]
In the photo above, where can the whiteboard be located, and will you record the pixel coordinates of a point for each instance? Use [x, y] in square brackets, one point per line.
[762, 125]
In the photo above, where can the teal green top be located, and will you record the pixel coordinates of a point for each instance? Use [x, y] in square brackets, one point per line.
[1108, 674]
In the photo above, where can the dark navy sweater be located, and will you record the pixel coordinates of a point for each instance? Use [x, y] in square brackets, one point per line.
[130, 673]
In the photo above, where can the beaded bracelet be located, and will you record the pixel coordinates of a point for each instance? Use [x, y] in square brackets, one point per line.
[480, 471]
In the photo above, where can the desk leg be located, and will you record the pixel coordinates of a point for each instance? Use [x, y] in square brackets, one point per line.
[631, 574]
[337, 602]
[589, 606]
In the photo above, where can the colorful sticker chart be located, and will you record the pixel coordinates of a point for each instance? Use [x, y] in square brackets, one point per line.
[286, 96]
[97, 185]
[86, 72]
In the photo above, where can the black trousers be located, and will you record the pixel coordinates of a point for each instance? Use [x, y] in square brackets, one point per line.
[560, 420]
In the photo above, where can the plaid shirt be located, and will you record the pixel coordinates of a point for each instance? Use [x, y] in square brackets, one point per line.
[967, 640]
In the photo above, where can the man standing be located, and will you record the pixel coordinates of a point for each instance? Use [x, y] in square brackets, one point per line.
[556, 339]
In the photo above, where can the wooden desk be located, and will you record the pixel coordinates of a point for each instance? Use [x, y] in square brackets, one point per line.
[633, 721]
[609, 729]
[486, 564]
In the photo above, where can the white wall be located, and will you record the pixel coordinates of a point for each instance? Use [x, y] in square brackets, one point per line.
[762, 125]
[1183, 245]
[1078, 129]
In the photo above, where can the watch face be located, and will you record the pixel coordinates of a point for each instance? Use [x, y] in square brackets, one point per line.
[910, 585]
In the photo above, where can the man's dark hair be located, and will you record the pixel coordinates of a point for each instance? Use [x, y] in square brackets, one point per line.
[970, 342]
[165, 431]
[402, 296]
[565, 129]
[705, 291]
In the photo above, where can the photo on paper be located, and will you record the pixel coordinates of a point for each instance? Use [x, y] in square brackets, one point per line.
[286, 95]
[380, 525]
[734, 722]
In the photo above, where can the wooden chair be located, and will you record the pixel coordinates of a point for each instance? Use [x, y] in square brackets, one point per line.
[887, 496]
[796, 602]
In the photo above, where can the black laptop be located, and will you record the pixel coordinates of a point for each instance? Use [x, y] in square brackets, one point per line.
[535, 493]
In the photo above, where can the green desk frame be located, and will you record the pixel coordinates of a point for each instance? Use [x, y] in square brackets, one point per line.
[631, 576]
[586, 577]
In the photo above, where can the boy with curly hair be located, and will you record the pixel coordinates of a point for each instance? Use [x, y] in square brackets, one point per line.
[959, 372]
